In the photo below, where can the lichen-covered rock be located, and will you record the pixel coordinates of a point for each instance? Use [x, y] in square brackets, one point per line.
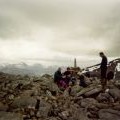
[93, 92]
[105, 97]
[109, 114]
[44, 109]
[115, 92]
[75, 89]
[10, 116]
[3, 107]
[23, 102]
[88, 102]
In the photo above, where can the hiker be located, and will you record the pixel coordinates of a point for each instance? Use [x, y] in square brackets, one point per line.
[58, 76]
[67, 72]
[73, 77]
[103, 68]
[67, 75]
[59, 79]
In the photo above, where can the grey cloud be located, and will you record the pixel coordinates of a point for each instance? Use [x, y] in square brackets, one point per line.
[75, 24]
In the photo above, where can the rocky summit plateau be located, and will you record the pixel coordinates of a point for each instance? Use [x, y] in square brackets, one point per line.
[39, 98]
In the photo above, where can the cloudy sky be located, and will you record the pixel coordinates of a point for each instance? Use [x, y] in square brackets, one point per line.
[54, 32]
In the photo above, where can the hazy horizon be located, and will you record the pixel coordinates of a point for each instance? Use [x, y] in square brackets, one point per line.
[55, 32]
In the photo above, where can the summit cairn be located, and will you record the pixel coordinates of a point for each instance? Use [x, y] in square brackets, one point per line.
[75, 63]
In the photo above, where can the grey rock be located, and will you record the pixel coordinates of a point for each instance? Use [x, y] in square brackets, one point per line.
[105, 97]
[109, 114]
[83, 91]
[10, 116]
[115, 93]
[92, 92]
[75, 89]
[23, 102]
[3, 107]
[87, 102]
[44, 109]
[78, 113]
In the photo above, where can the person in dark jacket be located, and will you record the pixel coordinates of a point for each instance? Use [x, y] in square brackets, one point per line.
[103, 68]
[67, 74]
[58, 76]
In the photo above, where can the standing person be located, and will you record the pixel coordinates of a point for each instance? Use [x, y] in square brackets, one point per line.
[58, 76]
[103, 68]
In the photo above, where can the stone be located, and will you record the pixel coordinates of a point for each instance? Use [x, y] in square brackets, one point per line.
[87, 81]
[3, 107]
[24, 102]
[109, 114]
[115, 93]
[11, 97]
[53, 87]
[83, 91]
[75, 89]
[2, 94]
[44, 109]
[66, 93]
[64, 115]
[103, 105]
[105, 97]
[88, 102]
[52, 118]
[117, 83]
[90, 91]
[93, 92]
[40, 98]
[77, 113]
[10, 116]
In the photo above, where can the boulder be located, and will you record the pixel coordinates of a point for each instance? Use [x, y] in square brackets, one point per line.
[53, 87]
[44, 109]
[87, 81]
[75, 89]
[77, 113]
[66, 93]
[109, 114]
[117, 83]
[88, 102]
[64, 115]
[52, 118]
[24, 102]
[93, 92]
[10, 116]
[3, 107]
[89, 91]
[115, 93]
[105, 97]
[46, 76]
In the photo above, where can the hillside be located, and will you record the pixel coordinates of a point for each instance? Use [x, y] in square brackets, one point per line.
[39, 98]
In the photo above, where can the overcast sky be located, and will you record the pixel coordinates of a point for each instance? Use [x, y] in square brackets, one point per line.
[54, 32]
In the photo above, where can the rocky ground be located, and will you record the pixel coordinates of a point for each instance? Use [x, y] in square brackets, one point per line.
[38, 98]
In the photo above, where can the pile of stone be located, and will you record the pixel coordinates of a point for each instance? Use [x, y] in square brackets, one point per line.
[39, 98]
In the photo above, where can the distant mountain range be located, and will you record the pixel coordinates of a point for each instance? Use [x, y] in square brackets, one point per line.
[38, 69]
[23, 69]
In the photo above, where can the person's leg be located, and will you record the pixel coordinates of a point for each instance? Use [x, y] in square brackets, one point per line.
[103, 78]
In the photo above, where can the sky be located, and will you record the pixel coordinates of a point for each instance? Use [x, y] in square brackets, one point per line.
[54, 32]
